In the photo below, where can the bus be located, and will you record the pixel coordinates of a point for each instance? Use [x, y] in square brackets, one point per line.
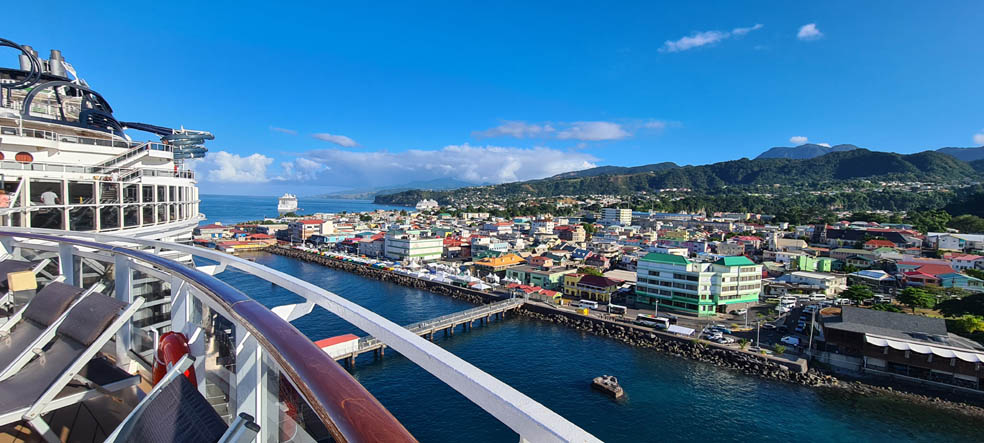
[590, 304]
[652, 321]
[617, 309]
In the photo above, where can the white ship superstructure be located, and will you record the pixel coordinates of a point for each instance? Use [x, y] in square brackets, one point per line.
[66, 163]
[287, 204]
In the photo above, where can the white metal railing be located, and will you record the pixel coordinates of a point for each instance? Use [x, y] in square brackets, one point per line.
[103, 171]
[50, 135]
[135, 151]
[528, 418]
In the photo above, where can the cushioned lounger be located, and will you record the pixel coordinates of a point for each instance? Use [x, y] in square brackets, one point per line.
[43, 310]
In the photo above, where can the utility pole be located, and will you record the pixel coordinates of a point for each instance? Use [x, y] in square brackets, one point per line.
[758, 333]
[813, 320]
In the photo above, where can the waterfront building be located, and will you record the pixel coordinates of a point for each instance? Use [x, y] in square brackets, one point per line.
[590, 287]
[898, 345]
[413, 245]
[302, 230]
[701, 288]
[497, 265]
[616, 216]
[545, 277]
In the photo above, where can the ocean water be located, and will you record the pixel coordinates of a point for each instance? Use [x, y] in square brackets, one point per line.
[669, 399]
[229, 209]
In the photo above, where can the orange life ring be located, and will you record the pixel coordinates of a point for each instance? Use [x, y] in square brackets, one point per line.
[171, 347]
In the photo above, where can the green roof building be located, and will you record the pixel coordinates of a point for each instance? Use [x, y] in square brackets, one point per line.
[697, 288]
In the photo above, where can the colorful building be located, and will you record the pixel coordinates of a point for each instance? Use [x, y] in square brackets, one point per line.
[700, 288]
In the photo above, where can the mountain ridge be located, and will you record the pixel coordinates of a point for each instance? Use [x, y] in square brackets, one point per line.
[804, 151]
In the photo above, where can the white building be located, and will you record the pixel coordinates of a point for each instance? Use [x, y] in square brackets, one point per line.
[426, 204]
[616, 216]
[412, 245]
[828, 284]
[701, 288]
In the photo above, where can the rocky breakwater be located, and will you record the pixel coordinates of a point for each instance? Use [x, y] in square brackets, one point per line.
[684, 347]
[470, 295]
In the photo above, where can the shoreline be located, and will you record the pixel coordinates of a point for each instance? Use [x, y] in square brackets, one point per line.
[684, 347]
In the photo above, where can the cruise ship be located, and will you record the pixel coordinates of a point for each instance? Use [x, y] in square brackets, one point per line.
[66, 162]
[287, 204]
[114, 329]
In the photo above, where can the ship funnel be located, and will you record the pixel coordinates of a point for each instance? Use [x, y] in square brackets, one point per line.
[55, 66]
[25, 61]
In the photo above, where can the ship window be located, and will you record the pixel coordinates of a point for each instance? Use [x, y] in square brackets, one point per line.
[109, 217]
[148, 193]
[161, 213]
[148, 214]
[81, 193]
[82, 219]
[131, 216]
[24, 157]
[46, 192]
[174, 212]
[160, 193]
[172, 193]
[131, 193]
[47, 218]
[109, 193]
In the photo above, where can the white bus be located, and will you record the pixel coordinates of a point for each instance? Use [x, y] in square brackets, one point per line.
[652, 321]
[590, 304]
[617, 309]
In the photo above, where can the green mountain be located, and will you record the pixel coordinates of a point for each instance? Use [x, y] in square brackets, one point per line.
[805, 151]
[611, 170]
[965, 154]
[370, 193]
[928, 166]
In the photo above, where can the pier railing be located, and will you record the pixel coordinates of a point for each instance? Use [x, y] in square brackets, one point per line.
[448, 320]
[528, 418]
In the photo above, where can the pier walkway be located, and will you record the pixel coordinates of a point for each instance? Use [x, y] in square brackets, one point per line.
[482, 314]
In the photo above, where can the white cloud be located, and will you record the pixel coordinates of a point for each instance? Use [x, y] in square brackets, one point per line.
[743, 31]
[222, 166]
[979, 138]
[655, 124]
[593, 131]
[475, 164]
[808, 32]
[516, 129]
[704, 38]
[283, 130]
[301, 169]
[339, 140]
[798, 139]
[826, 145]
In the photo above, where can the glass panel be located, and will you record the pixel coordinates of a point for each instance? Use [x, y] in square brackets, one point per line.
[46, 193]
[109, 217]
[109, 193]
[48, 218]
[131, 193]
[131, 216]
[148, 214]
[148, 193]
[171, 193]
[160, 193]
[82, 219]
[161, 213]
[80, 193]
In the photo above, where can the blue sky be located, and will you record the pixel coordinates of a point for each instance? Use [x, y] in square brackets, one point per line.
[324, 96]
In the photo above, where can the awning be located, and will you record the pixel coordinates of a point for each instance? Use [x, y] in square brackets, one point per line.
[680, 330]
[919, 348]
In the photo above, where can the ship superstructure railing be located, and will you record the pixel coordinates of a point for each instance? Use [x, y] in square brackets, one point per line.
[51, 135]
[104, 172]
[248, 359]
[251, 321]
[135, 151]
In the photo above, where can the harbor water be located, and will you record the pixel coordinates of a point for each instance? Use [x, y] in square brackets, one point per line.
[231, 209]
[668, 398]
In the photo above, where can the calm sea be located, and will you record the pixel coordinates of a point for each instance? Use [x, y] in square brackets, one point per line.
[669, 399]
[228, 209]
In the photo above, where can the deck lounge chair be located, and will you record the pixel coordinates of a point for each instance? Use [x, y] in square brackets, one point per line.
[174, 411]
[35, 324]
[66, 371]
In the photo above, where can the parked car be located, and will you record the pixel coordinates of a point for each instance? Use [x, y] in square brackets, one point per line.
[712, 336]
[769, 326]
[720, 329]
[791, 341]
[742, 311]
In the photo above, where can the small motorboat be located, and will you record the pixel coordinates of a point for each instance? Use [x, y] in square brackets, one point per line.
[609, 385]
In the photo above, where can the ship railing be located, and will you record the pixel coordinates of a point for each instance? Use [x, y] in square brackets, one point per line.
[104, 172]
[50, 135]
[136, 151]
[247, 358]
[529, 419]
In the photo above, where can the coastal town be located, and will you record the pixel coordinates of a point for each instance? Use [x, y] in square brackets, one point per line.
[882, 301]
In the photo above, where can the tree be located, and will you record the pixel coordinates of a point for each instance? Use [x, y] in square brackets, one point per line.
[886, 307]
[971, 304]
[967, 223]
[916, 298]
[780, 349]
[857, 294]
[976, 273]
[589, 271]
[968, 324]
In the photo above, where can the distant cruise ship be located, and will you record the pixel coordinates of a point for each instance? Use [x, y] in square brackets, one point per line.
[287, 204]
[66, 163]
